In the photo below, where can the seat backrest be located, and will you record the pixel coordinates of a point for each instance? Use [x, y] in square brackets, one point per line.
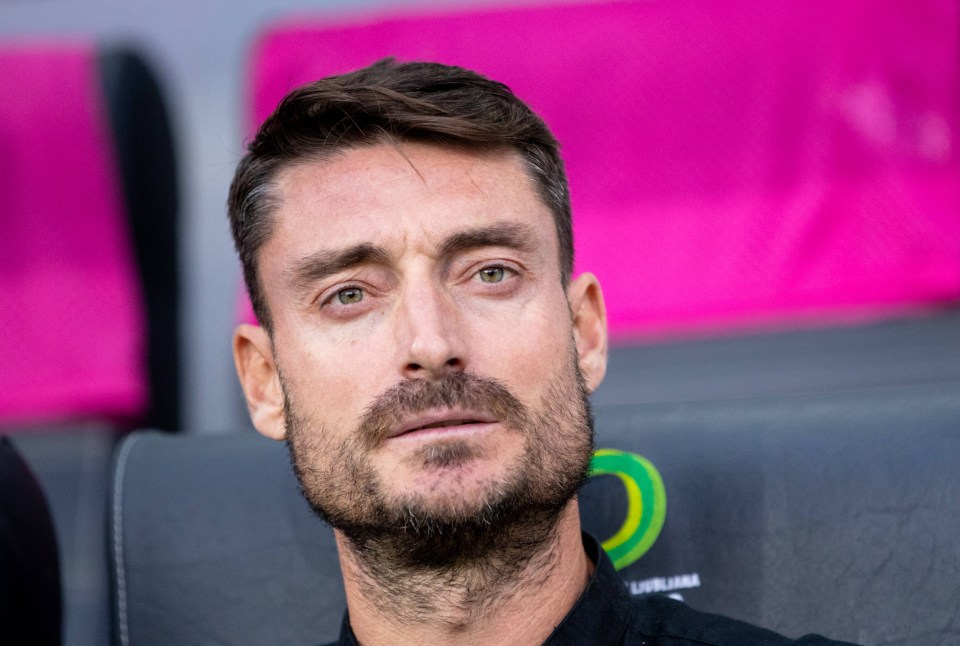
[88, 268]
[833, 514]
[68, 272]
[830, 511]
[143, 137]
[730, 163]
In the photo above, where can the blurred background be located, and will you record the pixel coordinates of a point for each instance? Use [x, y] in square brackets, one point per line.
[743, 176]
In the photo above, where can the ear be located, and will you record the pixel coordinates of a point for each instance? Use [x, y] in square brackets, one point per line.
[253, 357]
[589, 327]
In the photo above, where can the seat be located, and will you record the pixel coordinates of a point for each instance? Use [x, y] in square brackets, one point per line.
[89, 269]
[825, 505]
[88, 273]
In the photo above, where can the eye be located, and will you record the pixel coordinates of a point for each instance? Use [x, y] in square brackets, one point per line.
[492, 274]
[350, 296]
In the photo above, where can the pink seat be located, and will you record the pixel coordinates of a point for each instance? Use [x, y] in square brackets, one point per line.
[731, 164]
[71, 314]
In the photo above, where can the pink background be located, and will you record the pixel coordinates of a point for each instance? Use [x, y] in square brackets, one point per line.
[730, 163]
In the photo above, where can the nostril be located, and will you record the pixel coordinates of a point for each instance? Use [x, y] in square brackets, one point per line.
[447, 367]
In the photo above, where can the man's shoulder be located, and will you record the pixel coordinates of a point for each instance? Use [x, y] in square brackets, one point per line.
[662, 621]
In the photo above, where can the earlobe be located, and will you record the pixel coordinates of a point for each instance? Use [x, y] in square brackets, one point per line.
[260, 380]
[589, 327]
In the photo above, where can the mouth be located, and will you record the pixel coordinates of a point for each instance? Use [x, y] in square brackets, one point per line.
[441, 422]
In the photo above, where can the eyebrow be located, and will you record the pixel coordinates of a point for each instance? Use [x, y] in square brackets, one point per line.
[511, 235]
[323, 264]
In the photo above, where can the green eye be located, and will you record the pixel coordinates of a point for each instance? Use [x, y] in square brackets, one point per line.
[350, 296]
[492, 274]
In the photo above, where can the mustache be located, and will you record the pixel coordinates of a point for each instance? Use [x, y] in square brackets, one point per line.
[460, 390]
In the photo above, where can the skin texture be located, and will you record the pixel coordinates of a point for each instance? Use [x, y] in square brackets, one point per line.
[399, 268]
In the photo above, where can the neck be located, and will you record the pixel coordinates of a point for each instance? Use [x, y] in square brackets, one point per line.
[507, 597]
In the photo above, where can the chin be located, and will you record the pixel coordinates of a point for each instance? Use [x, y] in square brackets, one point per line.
[457, 523]
[452, 496]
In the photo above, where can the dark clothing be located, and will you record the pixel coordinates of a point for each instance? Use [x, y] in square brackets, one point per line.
[30, 601]
[606, 613]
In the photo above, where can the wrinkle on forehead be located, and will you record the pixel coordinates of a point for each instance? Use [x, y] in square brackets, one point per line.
[311, 190]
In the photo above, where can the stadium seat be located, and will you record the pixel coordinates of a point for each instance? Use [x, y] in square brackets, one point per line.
[89, 268]
[88, 276]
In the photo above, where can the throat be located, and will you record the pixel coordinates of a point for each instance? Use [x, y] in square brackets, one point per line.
[430, 579]
[510, 597]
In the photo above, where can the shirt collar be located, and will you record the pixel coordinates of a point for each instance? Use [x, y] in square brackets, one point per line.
[602, 613]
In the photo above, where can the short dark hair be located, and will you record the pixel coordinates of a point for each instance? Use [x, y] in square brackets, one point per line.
[390, 101]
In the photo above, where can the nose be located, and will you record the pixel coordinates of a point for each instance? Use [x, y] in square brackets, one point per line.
[430, 340]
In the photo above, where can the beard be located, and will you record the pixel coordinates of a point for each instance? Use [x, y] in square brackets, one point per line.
[498, 528]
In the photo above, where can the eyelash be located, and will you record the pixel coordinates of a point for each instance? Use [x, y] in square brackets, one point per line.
[479, 273]
[508, 273]
[329, 299]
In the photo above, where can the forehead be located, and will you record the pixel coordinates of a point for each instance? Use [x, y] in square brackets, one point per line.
[398, 196]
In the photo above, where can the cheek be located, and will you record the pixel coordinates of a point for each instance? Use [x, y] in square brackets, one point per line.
[330, 384]
[526, 351]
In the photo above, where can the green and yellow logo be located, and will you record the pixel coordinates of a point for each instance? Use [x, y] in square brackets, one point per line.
[646, 504]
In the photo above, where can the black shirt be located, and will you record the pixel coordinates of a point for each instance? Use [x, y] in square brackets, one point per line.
[606, 613]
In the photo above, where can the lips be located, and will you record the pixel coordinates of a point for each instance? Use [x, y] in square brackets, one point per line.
[458, 422]
[446, 419]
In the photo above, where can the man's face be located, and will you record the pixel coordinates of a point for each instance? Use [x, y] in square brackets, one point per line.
[423, 341]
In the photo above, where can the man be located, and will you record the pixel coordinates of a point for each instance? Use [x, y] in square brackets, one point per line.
[406, 240]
